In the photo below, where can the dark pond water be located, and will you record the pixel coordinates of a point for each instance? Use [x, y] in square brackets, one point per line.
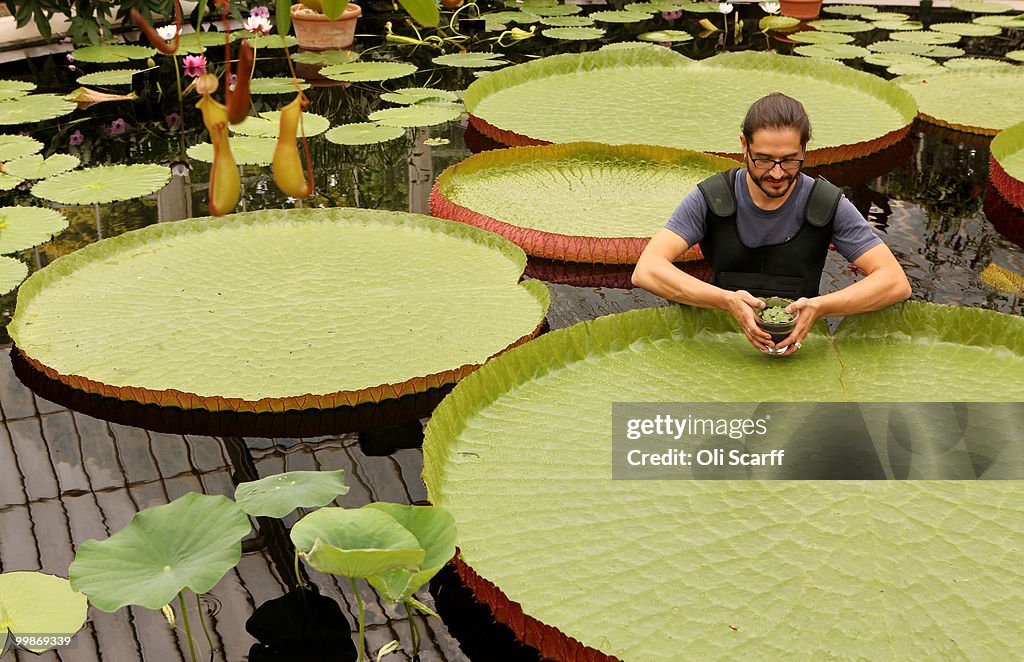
[66, 476]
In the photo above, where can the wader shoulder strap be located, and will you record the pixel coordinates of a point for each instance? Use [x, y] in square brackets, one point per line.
[823, 202]
[719, 193]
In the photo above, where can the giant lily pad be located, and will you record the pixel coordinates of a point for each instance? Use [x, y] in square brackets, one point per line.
[34, 108]
[983, 102]
[846, 26]
[659, 36]
[832, 51]
[24, 227]
[966, 29]
[898, 25]
[410, 95]
[40, 607]
[112, 53]
[981, 64]
[278, 495]
[268, 125]
[304, 330]
[363, 133]
[36, 167]
[356, 543]
[434, 529]
[190, 543]
[15, 147]
[567, 21]
[631, 96]
[12, 272]
[849, 10]
[1006, 166]
[588, 202]
[331, 57]
[198, 42]
[621, 16]
[364, 71]
[555, 10]
[247, 150]
[103, 184]
[519, 454]
[982, 6]
[1015, 22]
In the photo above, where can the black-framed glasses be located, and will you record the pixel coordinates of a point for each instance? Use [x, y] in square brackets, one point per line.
[789, 165]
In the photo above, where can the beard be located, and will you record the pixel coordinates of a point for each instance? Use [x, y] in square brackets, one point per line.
[773, 192]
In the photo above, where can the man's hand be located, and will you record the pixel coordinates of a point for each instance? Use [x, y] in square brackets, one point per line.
[809, 311]
[742, 304]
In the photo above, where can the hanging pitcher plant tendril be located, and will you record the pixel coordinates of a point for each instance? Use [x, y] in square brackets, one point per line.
[158, 42]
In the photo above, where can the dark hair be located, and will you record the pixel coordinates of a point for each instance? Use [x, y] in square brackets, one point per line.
[777, 111]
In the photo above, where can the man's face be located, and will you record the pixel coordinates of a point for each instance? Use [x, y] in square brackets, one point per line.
[777, 145]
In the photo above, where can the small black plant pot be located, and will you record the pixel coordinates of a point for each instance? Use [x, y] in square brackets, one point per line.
[779, 330]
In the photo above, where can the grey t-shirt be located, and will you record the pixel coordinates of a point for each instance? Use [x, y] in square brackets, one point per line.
[851, 233]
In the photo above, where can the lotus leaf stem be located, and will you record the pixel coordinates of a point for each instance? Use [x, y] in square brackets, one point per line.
[202, 622]
[362, 626]
[413, 630]
[298, 574]
[188, 629]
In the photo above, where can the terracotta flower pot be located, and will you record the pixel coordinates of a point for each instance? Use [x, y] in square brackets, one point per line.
[316, 32]
[804, 9]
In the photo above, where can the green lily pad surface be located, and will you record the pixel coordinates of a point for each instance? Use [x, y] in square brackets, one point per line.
[7, 182]
[1007, 165]
[832, 51]
[355, 543]
[978, 101]
[112, 54]
[898, 25]
[665, 35]
[520, 17]
[567, 21]
[12, 89]
[981, 64]
[191, 542]
[925, 37]
[261, 41]
[569, 101]
[247, 150]
[15, 147]
[410, 95]
[363, 133]
[268, 125]
[966, 29]
[418, 114]
[12, 272]
[574, 34]
[198, 42]
[777, 23]
[275, 86]
[434, 529]
[36, 167]
[355, 72]
[555, 10]
[40, 606]
[622, 16]
[325, 57]
[588, 202]
[721, 569]
[112, 78]
[322, 338]
[849, 10]
[1015, 22]
[843, 25]
[1017, 56]
[471, 60]
[929, 50]
[818, 37]
[34, 108]
[103, 184]
[982, 6]
[24, 227]
[278, 495]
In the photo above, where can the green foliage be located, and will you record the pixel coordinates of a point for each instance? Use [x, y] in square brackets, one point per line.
[90, 19]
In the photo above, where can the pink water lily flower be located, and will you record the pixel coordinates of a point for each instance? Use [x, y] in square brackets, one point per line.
[260, 11]
[76, 138]
[257, 24]
[118, 126]
[672, 15]
[195, 65]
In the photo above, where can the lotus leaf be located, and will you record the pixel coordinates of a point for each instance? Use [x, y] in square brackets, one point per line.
[279, 495]
[276, 85]
[15, 147]
[1015, 22]
[966, 29]
[817, 37]
[653, 90]
[191, 542]
[110, 78]
[341, 56]
[12, 89]
[411, 95]
[980, 63]
[112, 54]
[366, 71]
[12, 272]
[34, 108]
[472, 60]
[777, 23]
[356, 543]
[34, 603]
[265, 40]
[979, 101]
[36, 167]
[247, 150]
[849, 10]
[832, 51]
[1017, 56]
[925, 37]
[898, 25]
[519, 455]
[268, 125]
[420, 114]
[674, 36]
[567, 21]
[844, 25]
[320, 337]
[573, 34]
[363, 133]
[623, 16]
[23, 227]
[103, 184]
[556, 10]
[434, 529]
[981, 6]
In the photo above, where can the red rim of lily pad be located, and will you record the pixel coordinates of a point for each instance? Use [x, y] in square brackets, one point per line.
[962, 128]
[1007, 219]
[1011, 188]
[815, 157]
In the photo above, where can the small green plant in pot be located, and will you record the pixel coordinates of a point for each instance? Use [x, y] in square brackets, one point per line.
[774, 319]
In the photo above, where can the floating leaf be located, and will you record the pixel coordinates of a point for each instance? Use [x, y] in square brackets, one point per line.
[102, 184]
[470, 59]
[38, 606]
[915, 68]
[265, 40]
[567, 21]
[885, 16]
[898, 25]
[915, 49]
[981, 6]
[247, 150]
[328, 58]
[192, 542]
[198, 42]
[328, 343]
[944, 51]
[12, 272]
[556, 10]
[7, 182]
[980, 63]
[777, 23]
[112, 54]
[12, 89]
[363, 133]
[966, 29]
[573, 34]
[849, 10]
[355, 543]
[420, 114]
[278, 495]
[275, 86]
[268, 125]
[1015, 22]
[434, 529]
[925, 37]
[844, 25]
[659, 36]
[33, 108]
[702, 7]
[411, 95]
[520, 17]
[15, 146]
[1017, 56]
[816, 37]
[613, 16]
[889, 59]
[109, 78]
[646, 7]
[976, 101]
[36, 167]
[832, 51]
[24, 227]
[365, 71]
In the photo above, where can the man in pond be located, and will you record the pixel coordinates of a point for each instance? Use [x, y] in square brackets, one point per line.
[765, 230]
